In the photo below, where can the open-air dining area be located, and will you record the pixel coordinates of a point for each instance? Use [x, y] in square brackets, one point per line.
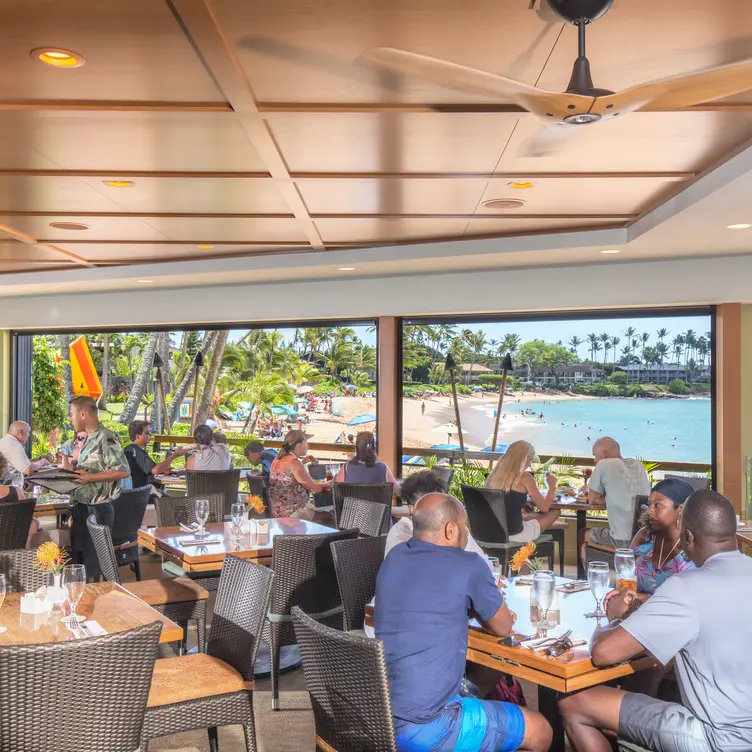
[374, 377]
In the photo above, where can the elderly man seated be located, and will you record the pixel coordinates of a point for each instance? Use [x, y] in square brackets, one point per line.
[12, 447]
[698, 619]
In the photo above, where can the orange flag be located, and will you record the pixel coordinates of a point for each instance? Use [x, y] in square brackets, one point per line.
[85, 378]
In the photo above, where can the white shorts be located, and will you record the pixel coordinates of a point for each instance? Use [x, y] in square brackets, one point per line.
[530, 531]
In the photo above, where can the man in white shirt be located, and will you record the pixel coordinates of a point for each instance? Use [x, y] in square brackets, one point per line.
[12, 447]
[415, 486]
[619, 482]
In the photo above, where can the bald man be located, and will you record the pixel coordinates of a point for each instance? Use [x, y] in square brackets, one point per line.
[12, 446]
[618, 482]
[699, 619]
[424, 591]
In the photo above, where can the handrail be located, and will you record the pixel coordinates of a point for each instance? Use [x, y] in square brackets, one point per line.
[276, 443]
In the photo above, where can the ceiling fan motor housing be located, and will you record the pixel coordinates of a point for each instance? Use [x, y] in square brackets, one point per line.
[573, 11]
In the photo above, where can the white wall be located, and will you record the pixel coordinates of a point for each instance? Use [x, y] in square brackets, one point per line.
[690, 281]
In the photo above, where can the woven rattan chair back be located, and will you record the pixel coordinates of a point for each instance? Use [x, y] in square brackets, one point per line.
[370, 518]
[21, 576]
[346, 678]
[100, 536]
[486, 514]
[640, 509]
[596, 554]
[257, 487]
[224, 482]
[15, 520]
[176, 510]
[129, 509]
[380, 493]
[239, 613]
[356, 563]
[113, 672]
[698, 482]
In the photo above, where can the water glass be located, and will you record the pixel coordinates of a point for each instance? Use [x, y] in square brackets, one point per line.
[74, 582]
[624, 563]
[495, 565]
[237, 514]
[17, 479]
[202, 515]
[599, 577]
[544, 589]
[2, 598]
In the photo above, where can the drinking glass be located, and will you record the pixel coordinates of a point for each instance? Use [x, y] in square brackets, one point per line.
[544, 588]
[495, 569]
[599, 576]
[74, 582]
[2, 598]
[237, 513]
[202, 515]
[624, 563]
[17, 479]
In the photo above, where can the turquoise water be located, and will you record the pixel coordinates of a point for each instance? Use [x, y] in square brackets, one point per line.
[677, 430]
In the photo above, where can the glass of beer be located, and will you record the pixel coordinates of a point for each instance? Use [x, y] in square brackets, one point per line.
[624, 563]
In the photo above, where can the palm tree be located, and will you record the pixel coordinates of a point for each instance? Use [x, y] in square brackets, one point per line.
[644, 337]
[662, 334]
[606, 340]
[592, 340]
[690, 342]
[511, 343]
[574, 343]
[142, 380]
[182, 389]
[629, 333]
[210, 384]
[614, 344]
[677, 345]
[477, 346]
[265, 390]
[105, 369]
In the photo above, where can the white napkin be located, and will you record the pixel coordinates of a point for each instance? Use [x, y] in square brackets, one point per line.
[192, 528]
[94, 628]
[203, 542]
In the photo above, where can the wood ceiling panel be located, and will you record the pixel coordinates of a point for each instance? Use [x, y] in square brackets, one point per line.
[12, 251]
[49, 193]
[134, 50]
[293, 50]
[159, 141]
[517, 226]
[459, 196]
[387, 230]
[105, 228]
[418, 142]
[243, 230]
[144, 253]
[639, 142]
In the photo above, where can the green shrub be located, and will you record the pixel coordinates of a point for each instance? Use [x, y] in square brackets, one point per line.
[469, 474]
[619, 377]
[677, 386]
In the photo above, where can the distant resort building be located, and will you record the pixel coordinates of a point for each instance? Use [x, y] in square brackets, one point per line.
[662, 374]
[578, 373]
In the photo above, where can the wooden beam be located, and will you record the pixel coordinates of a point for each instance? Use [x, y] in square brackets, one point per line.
[113, 106]
[388, 397]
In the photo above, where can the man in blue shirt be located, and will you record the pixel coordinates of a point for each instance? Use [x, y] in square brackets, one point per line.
[257, 455]
[425, 589]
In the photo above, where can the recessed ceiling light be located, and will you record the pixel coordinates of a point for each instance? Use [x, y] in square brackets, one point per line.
[611, 250]
[69, 226]
[204, 247]
[520, 185]
[738, 227]
[347, 268]
[146, 281]
[119, 183]
[58, 58]
[504, 203]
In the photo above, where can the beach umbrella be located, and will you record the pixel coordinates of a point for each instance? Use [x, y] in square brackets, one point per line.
[304, 390]
[449, 428]
[499, 448]
[408, 460]
[351, 388]
[284, 410]
[359, 420]
[447, 447]
[449, 366]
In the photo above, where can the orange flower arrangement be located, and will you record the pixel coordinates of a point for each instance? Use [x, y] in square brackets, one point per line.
[256, 503]
[51, 558]
[522, 557]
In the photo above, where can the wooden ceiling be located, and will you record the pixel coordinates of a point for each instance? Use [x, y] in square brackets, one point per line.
[250, 127]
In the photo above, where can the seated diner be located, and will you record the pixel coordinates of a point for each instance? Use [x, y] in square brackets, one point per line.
[207, 454]
[259, 456]
[364, 466]
[143, 468]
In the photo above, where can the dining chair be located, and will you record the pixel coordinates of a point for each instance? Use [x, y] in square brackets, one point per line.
[215, 688]
[346, 679]
[303, 576]
[370, 518]
[176, 510]
[15, 521]
[594, 552]
[487, 516]
[317, 472]
[179, 599]
[225, 482]
[77, 695]
[129, 509]
[380, 493]
[21, 574]
[698, 482]
[356, 564]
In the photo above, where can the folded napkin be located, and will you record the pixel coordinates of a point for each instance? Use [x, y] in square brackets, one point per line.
[94, 628]
[203, 542]
[573, 587]
[192, 528]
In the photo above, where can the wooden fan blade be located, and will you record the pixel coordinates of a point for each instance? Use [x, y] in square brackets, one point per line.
[546, 140]
[549, 105]
[680, 91]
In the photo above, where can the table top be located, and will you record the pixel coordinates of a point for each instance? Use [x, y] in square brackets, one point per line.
[577, 504]
[107, 603]
[167, 541]
[167, 479]
[48, 504]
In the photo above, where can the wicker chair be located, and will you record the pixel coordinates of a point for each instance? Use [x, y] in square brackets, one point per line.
[179, 599]
[487, 515]
[625, 746]
[129, 509]
[379, 492]
[698, 482]
[304, 576]
[226, 482]
[175, 510]
[112, 672]
[605, 553]
[257, 487]
[346, 678]
[356, 564]
[15, 521]
[215, 689]
[370, 518]
[21, 574]
[317, 472]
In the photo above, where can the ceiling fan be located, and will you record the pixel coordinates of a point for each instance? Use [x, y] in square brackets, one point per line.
[582, 103]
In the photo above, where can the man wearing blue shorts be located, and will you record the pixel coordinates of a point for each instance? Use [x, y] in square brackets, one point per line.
[425, 590]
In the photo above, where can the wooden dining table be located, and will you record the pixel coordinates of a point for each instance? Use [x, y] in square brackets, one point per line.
[581, 507]
[109, 604]
[170, 542]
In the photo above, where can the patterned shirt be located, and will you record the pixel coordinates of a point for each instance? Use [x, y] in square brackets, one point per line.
[650, 579]
[101, 452]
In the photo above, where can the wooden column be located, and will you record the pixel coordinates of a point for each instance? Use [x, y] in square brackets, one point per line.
[387, 426]
[728, 365]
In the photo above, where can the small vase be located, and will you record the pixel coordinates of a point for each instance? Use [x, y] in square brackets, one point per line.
[55, 594]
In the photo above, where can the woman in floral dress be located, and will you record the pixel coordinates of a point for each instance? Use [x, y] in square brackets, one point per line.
[289, 481]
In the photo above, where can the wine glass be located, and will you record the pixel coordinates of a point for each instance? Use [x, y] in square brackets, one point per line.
[624, 563]
[202, 515]
[74, 582]
[495, 565]
[599, 576]
[544, 586]
[237, 513]
[2, 598]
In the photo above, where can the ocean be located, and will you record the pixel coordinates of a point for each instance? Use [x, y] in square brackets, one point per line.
[674, 430]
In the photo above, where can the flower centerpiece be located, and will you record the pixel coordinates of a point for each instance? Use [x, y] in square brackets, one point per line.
[51, 558]
[255, 504]
[522, 558]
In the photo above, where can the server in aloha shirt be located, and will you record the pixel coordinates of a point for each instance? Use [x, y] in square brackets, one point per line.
[101, 468]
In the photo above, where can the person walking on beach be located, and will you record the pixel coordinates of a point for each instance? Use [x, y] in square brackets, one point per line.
[422, 408]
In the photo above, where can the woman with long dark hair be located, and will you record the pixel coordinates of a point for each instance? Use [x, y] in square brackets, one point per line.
[365, 466]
